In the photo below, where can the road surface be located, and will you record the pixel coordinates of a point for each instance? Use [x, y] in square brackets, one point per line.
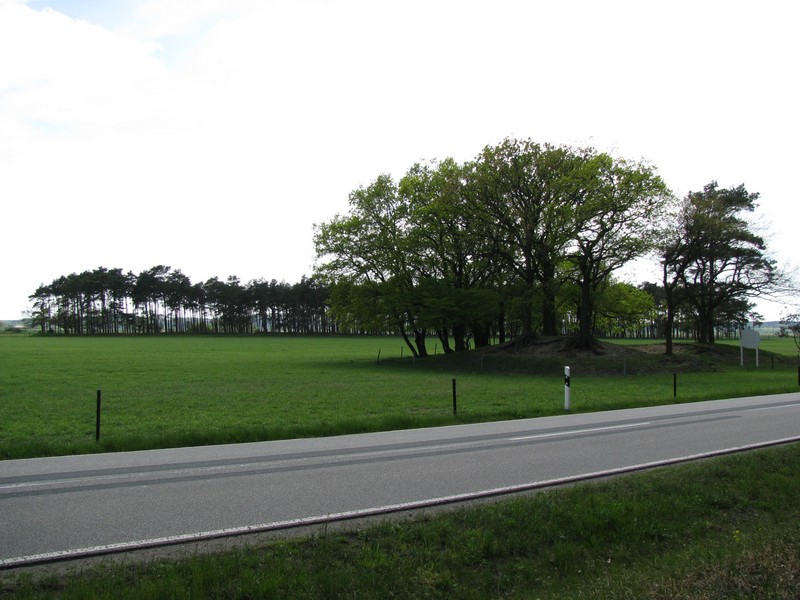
[69, 507]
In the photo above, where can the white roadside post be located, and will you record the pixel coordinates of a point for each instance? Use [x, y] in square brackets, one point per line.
[567, 399]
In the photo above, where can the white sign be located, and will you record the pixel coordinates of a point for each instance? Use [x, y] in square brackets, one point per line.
[749, 338]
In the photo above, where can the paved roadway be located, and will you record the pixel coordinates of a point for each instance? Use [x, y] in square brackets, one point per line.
[67, 507]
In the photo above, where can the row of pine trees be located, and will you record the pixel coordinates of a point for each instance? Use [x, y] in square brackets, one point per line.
[162, 299]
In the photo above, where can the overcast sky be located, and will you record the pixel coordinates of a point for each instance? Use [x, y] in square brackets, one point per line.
[210, 135]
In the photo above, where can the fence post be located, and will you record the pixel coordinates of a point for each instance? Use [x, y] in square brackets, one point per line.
[97, 427]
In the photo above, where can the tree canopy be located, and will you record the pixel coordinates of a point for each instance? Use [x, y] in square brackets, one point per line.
[457, 246]
[713, 260]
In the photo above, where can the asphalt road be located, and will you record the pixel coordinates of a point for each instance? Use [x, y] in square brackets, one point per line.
[67, 507]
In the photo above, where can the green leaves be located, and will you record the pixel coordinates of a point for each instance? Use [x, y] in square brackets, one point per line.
[414, 249]
[713, 257]
[516, 225]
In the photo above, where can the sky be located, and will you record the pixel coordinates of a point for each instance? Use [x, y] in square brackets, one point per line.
[211, 135]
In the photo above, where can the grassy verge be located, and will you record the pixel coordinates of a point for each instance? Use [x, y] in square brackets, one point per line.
[168, 391]
[723, 528]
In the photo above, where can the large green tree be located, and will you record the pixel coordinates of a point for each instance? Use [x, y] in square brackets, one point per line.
[615, 223]
[713, 257]
[371, 245]
[528, 194]
[456, 278]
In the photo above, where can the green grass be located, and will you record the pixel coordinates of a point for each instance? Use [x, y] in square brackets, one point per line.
[719, 529]
[166, 391]
[784, 346]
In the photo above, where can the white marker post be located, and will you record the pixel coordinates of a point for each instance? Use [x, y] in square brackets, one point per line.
[749, 338]
[567, 399]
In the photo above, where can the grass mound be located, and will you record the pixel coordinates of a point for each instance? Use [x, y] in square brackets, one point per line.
[605, 357]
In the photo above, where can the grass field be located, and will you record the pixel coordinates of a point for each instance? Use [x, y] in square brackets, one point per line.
[168, 391]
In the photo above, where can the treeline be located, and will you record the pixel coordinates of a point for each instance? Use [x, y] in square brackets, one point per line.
[525, 240]
[163, 300]
[160, 299]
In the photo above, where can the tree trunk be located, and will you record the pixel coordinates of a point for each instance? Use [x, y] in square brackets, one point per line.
[445, 340]
[670, 299]
[419, 340]
[705, 325]
[527, 319]
[501, 324]
[408, 341]
[549, 321]
[668, 330]
[459, 335]
[584, 338]
[480, 332]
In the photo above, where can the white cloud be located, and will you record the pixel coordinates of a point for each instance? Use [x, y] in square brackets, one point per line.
[70, 72]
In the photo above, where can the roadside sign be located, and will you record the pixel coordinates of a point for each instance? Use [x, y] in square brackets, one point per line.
[749, 338]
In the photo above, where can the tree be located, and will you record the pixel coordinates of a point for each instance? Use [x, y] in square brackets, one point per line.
[528, 194]
[790, 324]
[455, 275]
[615, 224]
[177, 297]
[371, 245]
[712, 258]
[149, 288]
[42, 313]
[676, 249]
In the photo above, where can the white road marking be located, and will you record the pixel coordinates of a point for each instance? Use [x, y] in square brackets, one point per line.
[792, 405]
[575, 431]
